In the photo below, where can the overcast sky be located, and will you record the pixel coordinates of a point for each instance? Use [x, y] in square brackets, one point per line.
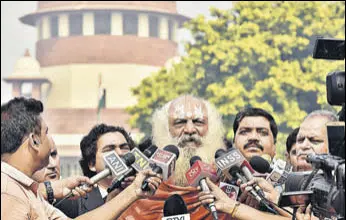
[16, 37]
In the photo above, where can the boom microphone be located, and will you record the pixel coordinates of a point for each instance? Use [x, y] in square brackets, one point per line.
[175, 208]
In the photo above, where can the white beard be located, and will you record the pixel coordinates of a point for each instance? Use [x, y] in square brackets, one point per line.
[206, 152]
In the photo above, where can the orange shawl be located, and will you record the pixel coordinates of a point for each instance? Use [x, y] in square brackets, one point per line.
[152, 208]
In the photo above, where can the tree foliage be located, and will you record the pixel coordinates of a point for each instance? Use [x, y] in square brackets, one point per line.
[255, 54]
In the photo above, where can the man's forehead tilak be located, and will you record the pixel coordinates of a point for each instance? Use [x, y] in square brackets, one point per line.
[183, 111]
[187, 107]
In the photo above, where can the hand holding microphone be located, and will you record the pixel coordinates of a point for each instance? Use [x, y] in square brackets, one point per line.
[163, 163]
[141, 163]
[153, 179]
[269, 192]
[114, 166]
[222, 202]
[196, 176]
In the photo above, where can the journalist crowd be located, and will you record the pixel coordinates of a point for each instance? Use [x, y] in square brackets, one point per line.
[185, 169]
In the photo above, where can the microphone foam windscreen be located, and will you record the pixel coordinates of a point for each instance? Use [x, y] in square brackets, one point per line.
[173, 149]
[219, 153]
[129, 158]
[150, 151]
[194, 159]
[259, 164]
[174, 205]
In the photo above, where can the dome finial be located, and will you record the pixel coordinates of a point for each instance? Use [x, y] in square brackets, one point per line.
[27, 53]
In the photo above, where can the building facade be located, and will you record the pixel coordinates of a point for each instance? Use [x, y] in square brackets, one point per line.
[85, 46]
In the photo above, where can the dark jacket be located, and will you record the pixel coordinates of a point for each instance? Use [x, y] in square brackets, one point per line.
[74, 208]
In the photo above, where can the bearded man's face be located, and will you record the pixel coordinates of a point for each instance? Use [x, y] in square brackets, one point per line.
[188, 122]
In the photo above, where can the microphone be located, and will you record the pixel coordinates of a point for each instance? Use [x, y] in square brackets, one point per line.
[279, 169]
[196, 176]
[114, 165]
[230, 190]
[141, 163]
[164, 162]
[175, 208]
[234, 165]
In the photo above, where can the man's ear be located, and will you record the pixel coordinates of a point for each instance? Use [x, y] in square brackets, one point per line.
[92, 166]
[287, 156]
[33, 141]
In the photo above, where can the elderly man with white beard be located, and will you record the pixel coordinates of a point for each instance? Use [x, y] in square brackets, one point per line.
[195, 127]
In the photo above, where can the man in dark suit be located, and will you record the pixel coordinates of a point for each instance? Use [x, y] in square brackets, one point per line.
[101, 139]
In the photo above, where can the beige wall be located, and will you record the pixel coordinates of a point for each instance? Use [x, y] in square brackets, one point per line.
[76, 86]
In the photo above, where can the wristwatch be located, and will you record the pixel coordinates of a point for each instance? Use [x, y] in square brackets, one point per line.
[50, 193]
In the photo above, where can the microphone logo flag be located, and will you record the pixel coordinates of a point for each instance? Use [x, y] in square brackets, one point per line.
[115, 163]
[230, 159]
[141, 162]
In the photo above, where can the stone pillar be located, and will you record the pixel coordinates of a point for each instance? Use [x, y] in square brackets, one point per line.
[45, 28]
[88, 24]
[16, 87]
[143, 25]
[163, 28]
[175, 31]
[117, 24]
[63, 25]
[36, 90]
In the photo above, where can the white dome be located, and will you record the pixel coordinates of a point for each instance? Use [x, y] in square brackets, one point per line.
[26, 66]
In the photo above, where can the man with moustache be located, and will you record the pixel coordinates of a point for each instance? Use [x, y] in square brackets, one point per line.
[255, 133]
[25, 149]
[195, 127]
[52, 171]
[101, 139]
[312, 137]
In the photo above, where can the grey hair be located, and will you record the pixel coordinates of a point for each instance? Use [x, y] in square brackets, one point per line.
[160, 122]
[323, 113]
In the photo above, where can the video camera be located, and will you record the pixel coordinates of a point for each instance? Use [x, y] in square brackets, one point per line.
[324, 187]
[324, 190]
[333, 49]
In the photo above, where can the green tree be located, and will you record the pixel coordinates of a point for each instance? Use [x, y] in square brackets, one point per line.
[254, 54]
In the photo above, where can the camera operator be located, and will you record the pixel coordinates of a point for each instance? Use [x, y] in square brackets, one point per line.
[312, 137]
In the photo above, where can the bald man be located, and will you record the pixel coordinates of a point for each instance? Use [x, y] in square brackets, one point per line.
[312, 137]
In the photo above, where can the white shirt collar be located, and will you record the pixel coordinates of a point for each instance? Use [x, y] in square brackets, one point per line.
[103, 191]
